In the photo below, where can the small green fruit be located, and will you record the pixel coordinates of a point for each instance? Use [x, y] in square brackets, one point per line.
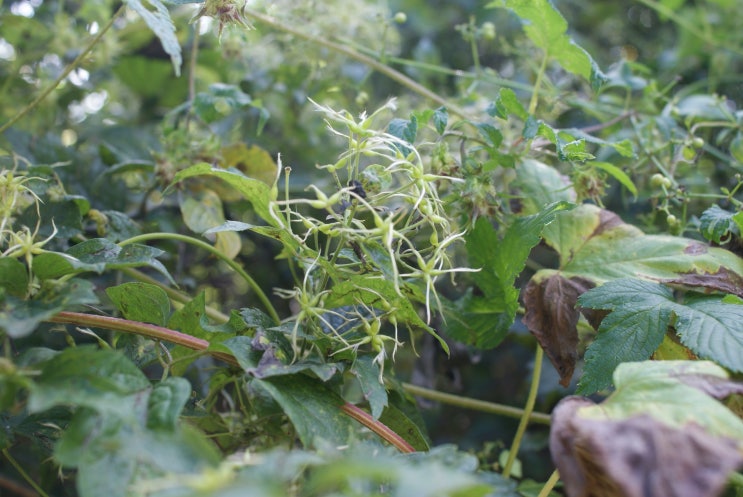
[488, 31]
[401, 18]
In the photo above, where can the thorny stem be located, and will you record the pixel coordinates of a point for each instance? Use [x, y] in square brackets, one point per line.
[67, 70]
[474, 404]
[23, 473]
[232, 264]
[528, 409]
[365, 59]
[166, 334]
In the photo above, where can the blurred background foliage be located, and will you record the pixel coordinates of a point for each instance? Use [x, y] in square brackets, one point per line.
[114, 126]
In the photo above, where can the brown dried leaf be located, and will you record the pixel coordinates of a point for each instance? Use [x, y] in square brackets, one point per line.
[637, 456]
[551, 316]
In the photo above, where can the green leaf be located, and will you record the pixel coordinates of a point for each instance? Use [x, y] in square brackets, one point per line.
[397, 421]
[367, 372]
[219, 102]
[118, 226]
[193, 320]
[241, 348]
[642, 313]
[508, 103]
[166, 402]
[702, 108]
[546, 28]
[159, 21]
[500, 261]
[20, 318]
[711, 329]
[112, 456]
[97, 255]
[574, 150]
[617, 174]
[103, 380]
[13, 277]
[716, 223]
[405, 130]
[440, 119]
[492, 135]
[141, 302]
[201, 210]
[540, 185]
[255, 191]
[312, 407]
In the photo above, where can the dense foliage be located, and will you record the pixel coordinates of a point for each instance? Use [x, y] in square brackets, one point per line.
[252, 249]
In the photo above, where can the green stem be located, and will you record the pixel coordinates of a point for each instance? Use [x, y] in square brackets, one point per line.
[67, 70]
[23, 473]
[373, 63]
[475, 405]
[550, 484]
[537, 84]
[528, 408]
[166, 334]
[203, 245]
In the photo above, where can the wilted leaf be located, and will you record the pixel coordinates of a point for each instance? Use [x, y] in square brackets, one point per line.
[552, 317]
[637, 456]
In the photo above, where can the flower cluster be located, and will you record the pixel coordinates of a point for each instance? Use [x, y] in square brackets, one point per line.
[382, 218]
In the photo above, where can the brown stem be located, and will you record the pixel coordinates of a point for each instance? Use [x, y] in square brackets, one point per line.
[193, 343]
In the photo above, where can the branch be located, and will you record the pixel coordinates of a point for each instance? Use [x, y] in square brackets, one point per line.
[166, 334]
